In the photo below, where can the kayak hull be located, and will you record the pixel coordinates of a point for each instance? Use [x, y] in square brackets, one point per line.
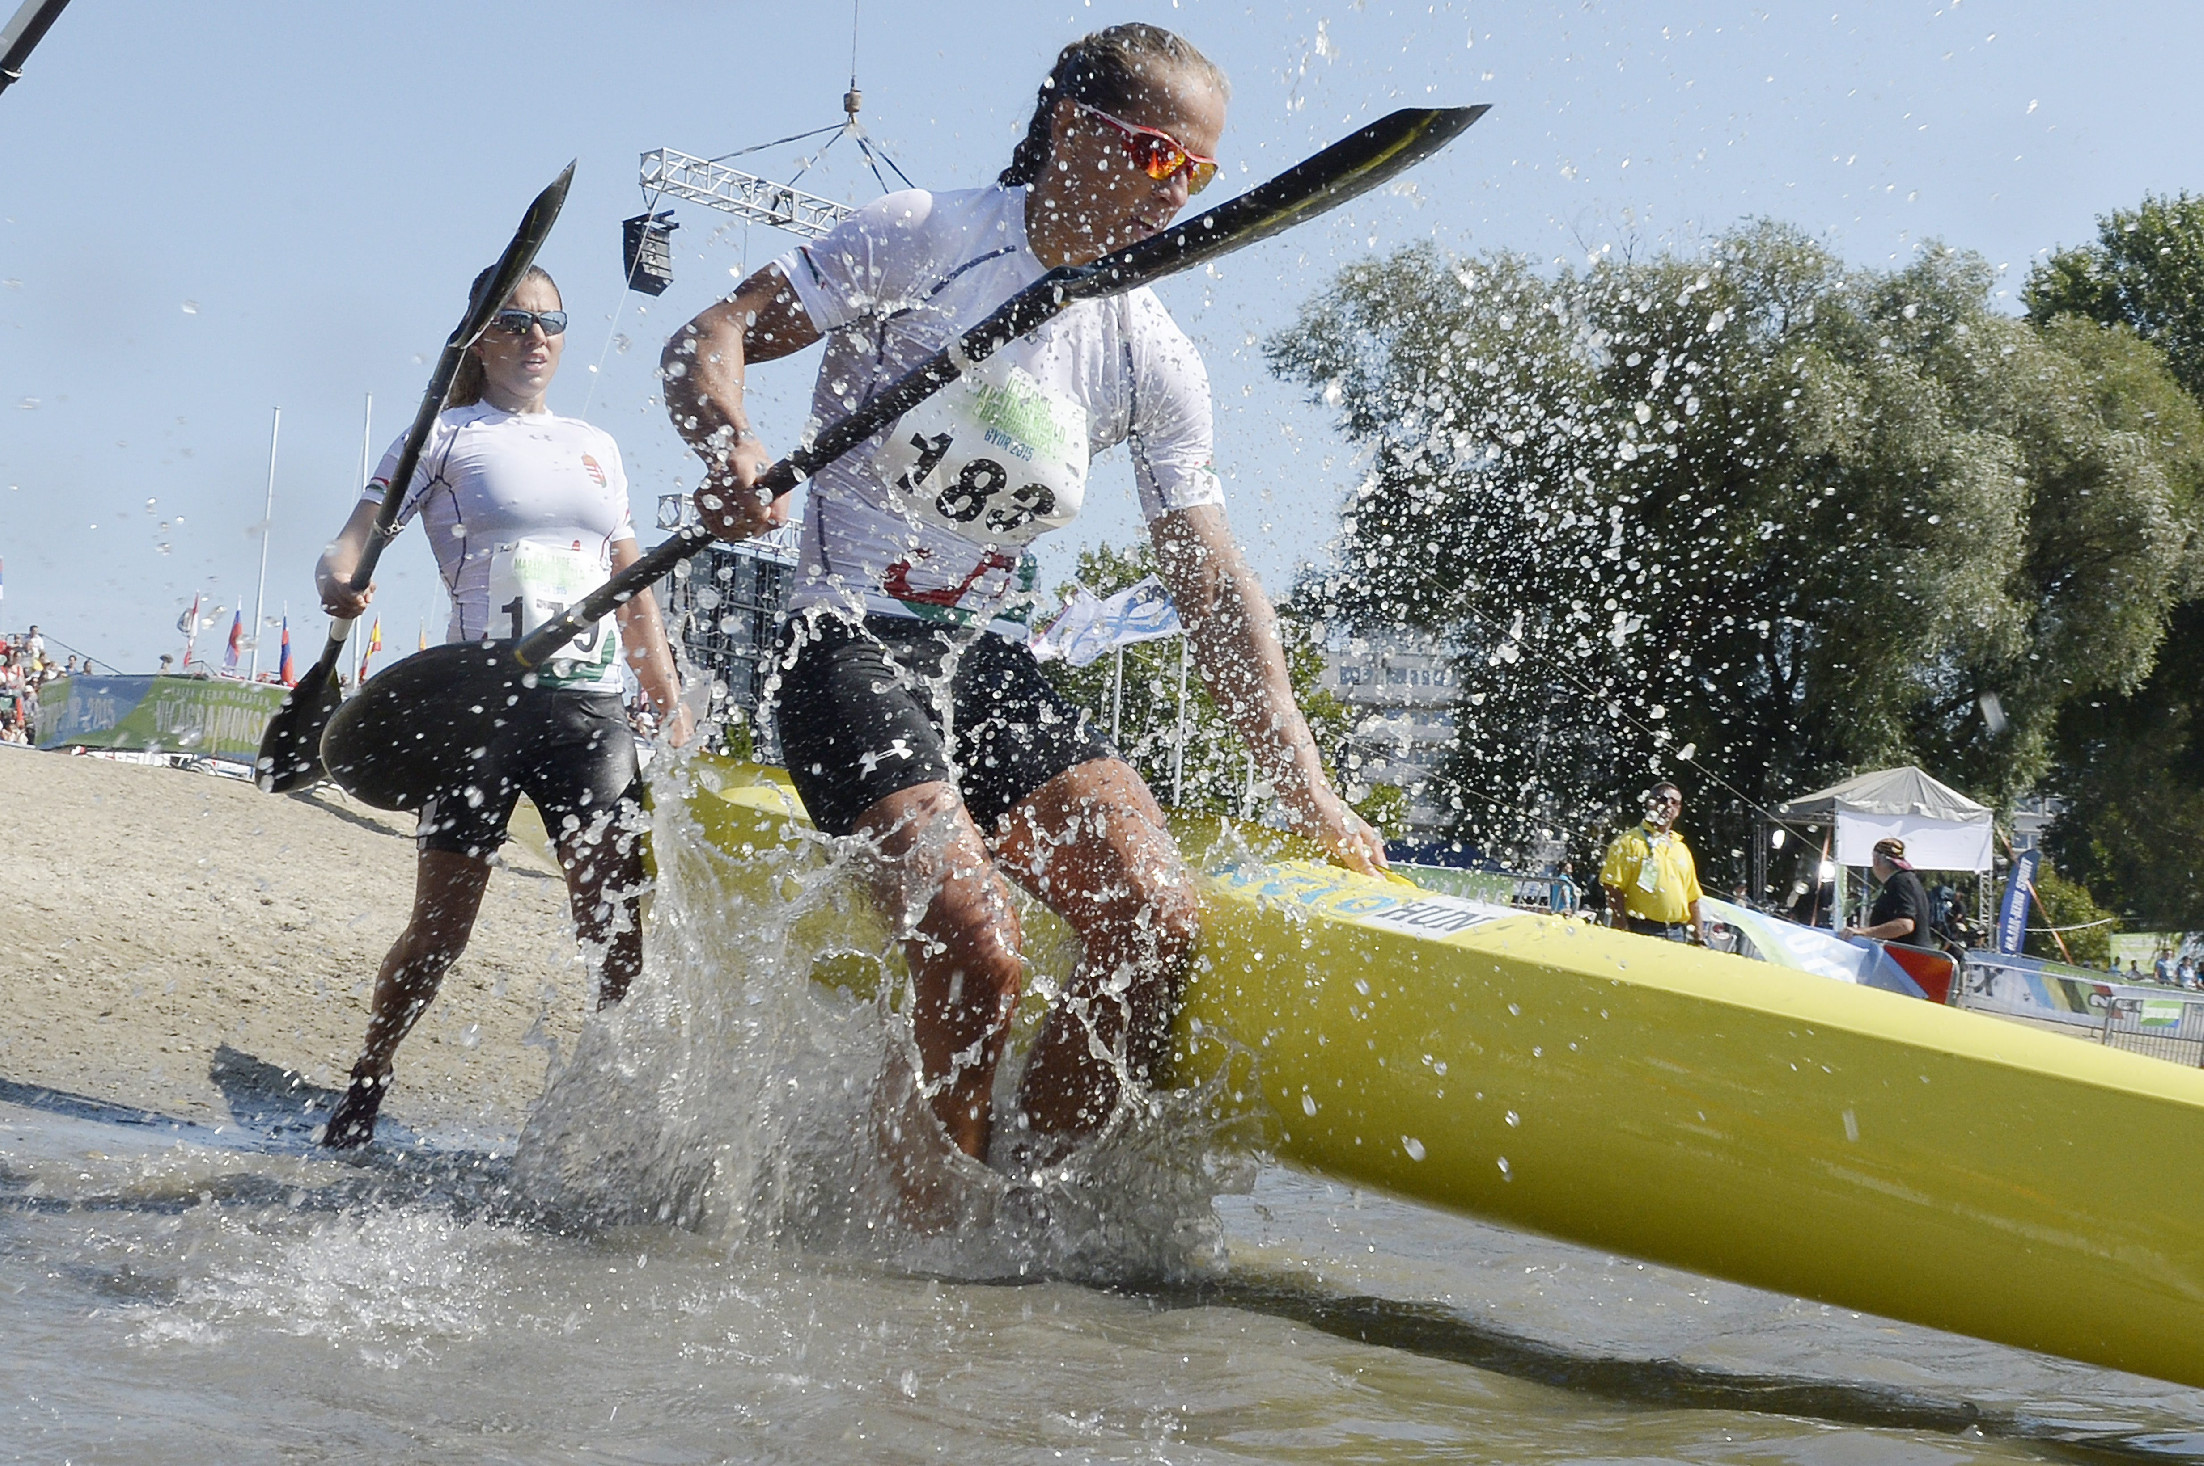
[1675, 1105]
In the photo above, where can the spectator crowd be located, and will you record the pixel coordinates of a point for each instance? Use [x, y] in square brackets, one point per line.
[24, 668]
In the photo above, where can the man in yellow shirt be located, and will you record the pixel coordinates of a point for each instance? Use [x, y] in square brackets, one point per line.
[1652, 883]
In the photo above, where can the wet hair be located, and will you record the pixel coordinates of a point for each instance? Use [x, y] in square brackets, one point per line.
[1109, 70]
[467, 382]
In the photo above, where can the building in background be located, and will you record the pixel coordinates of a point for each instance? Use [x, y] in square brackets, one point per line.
[1400, 686]
[721, 614]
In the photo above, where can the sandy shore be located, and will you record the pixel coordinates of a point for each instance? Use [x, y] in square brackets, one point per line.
[166, 930]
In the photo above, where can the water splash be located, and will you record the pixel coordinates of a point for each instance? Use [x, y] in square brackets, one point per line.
[758, 1086]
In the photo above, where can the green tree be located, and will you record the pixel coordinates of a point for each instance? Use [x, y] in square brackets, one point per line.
[2068, 905]
[1749, 513]
[1217, 773]
[2131, 773]
[2145, 271]
[2130, 765]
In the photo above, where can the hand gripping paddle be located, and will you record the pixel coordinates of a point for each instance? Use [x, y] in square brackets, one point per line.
[290, 748]
[417, 726]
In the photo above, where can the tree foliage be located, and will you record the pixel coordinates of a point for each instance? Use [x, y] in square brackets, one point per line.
[2067, 904]
[2145, 271]
[2131, 774]
[2130, 767]
[1217, 773]
[1751, 513]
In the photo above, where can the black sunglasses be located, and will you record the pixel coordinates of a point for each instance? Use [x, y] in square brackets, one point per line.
[517, 322]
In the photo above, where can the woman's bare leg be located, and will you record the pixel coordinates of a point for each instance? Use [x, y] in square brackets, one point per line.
[1091, 844]
[936, 881]
[447, 893]
[604, 887]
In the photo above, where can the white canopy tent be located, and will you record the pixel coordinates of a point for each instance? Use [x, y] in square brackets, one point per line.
[1943, 829]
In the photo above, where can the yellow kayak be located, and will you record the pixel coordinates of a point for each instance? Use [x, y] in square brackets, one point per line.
[1684, 1107]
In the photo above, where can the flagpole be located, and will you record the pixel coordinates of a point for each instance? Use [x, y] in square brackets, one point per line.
[1178, 753]
[267, 521]
[367, 471]
[1117, 692]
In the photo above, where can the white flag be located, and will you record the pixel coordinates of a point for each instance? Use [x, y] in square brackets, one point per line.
[1089, 626]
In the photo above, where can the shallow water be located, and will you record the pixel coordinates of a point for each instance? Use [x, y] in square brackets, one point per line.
[693, 1254]
[180, 1295]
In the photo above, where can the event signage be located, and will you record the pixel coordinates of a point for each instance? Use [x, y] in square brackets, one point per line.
[2012, 913]
[213, 717]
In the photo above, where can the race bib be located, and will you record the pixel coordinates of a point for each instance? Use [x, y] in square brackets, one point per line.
[533, 580]
[994, 457]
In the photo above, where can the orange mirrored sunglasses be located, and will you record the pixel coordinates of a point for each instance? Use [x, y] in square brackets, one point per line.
[1156, 153]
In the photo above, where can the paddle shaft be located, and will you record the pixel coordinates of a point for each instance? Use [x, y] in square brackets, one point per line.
[1324, 181]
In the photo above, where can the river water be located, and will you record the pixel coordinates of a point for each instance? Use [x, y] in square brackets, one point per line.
[691, 1252]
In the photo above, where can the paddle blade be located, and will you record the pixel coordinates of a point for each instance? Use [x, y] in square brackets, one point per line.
[1347, 169]
[290, 746]
[421, 725]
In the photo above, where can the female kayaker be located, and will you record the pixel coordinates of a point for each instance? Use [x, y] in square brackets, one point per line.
[525, 511]
[911, 712]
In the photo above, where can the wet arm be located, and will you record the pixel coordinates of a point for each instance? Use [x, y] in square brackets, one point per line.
[703, 367]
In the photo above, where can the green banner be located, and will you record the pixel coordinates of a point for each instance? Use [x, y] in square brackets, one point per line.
[214, 717]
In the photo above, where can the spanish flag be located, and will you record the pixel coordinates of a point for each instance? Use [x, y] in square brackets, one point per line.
[374, 645]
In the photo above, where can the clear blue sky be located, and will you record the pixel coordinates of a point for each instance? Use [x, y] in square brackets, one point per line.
[210, 210]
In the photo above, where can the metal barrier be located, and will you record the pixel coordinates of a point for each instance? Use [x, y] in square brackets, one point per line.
[2169, 1028]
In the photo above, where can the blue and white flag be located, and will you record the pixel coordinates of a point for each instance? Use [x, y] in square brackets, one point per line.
[1090, 626]
[2012, 913]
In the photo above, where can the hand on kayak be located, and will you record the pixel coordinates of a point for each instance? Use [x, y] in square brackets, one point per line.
[677, 729]
[728, 501]
[1345, 835]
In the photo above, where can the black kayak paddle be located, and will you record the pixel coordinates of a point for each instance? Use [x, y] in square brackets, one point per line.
[418, 726]
[290, 747]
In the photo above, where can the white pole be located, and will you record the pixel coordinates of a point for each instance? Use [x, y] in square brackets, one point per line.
[1178, 752]
[367, 471]
[267, 522]
[1117, 691]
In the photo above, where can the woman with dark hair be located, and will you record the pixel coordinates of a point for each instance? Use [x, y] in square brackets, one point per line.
[525, 512]
[911, 712]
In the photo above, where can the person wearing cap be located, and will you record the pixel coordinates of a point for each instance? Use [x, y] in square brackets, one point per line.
[1651, 880]
[1901, 911]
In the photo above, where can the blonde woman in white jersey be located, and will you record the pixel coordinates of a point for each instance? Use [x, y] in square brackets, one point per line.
[911, 712]
[525, 512]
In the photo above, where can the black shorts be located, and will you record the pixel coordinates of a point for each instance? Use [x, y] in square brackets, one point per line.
[570, 752]
[867, 710]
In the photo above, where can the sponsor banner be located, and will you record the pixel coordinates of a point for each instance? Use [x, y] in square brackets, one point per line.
[2142, 950]
[193, 715]
[2012, 912]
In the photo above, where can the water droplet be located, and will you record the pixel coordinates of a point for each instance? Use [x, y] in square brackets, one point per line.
[1514, 1118]
[1308, 1104]
[1413, 1146]
[1506, 1173]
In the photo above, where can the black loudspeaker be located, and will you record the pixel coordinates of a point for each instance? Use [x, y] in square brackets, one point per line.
[646, 251]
